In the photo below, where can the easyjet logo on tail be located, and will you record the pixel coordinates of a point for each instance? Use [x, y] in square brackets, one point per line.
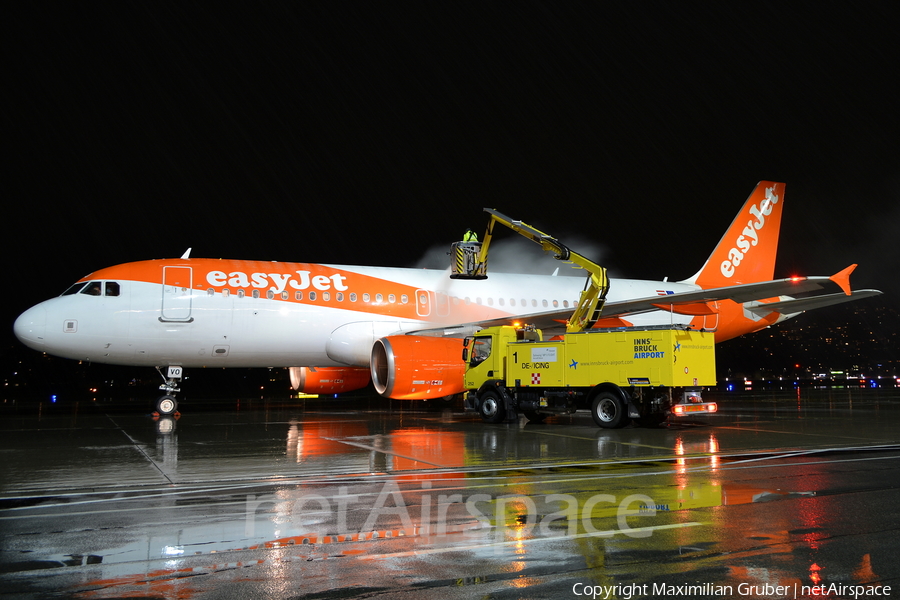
[749, 236]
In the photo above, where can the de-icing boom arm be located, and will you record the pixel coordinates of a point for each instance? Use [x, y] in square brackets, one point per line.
[596, 287]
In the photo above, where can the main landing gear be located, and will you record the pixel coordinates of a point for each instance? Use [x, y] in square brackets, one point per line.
[167, 404]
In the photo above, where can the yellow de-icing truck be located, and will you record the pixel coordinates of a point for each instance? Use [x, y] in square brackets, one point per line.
[619, 375]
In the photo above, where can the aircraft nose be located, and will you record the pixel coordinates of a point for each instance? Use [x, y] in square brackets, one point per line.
[31, 326]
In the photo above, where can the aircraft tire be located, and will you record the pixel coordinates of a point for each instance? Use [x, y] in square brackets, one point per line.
[534, 417]
[166, 405]
[451, 401]
[608, 410]
[654, 420]
[491, 407]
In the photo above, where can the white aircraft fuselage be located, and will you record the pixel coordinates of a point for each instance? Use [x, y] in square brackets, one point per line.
[258, 314]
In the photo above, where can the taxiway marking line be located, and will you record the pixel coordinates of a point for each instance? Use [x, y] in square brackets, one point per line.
[576, 536]
[593, 439]
[828, 435]
[383, 451]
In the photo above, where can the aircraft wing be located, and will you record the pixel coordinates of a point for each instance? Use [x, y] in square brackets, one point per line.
[696, 302]
[750, 294]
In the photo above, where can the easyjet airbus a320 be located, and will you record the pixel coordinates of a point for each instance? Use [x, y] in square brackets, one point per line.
[338, 327]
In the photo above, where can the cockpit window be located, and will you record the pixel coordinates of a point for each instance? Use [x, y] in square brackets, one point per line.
[93, 288]
[74, 289]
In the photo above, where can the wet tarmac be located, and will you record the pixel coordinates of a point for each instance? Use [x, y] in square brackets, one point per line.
[780, 495]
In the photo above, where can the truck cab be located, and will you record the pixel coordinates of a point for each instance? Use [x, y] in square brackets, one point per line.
[485, 352]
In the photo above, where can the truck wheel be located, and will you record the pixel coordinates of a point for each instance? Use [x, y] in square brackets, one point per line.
[608, 410]
[491, 407]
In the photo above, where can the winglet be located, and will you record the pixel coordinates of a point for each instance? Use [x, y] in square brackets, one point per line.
[843, 279]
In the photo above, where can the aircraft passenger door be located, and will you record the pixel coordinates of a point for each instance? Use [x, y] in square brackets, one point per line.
[423, 303]
[177, 295]
[442, 304]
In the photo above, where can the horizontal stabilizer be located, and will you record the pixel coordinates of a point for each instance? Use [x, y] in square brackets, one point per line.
[798, 305]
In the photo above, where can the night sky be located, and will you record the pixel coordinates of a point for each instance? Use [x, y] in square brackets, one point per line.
[375, 133]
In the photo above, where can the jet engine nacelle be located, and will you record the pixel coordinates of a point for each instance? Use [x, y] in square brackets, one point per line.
[411, 367]
[328, 380]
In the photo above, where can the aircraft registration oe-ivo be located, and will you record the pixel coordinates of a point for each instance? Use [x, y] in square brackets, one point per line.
[338, 327]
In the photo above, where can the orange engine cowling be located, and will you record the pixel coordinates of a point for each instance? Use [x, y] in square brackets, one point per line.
[411, 367]
[328, 380]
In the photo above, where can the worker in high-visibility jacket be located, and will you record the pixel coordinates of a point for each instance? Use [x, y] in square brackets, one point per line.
[470, 236]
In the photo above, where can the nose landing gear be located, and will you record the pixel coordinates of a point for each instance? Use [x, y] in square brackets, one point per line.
[167, 404]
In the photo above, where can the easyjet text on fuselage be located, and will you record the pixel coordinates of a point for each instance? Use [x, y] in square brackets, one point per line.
[278, 282]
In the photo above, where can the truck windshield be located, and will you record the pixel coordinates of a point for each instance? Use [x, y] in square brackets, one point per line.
[481, 349]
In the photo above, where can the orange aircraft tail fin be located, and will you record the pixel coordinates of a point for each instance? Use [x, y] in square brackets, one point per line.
[746, 253]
